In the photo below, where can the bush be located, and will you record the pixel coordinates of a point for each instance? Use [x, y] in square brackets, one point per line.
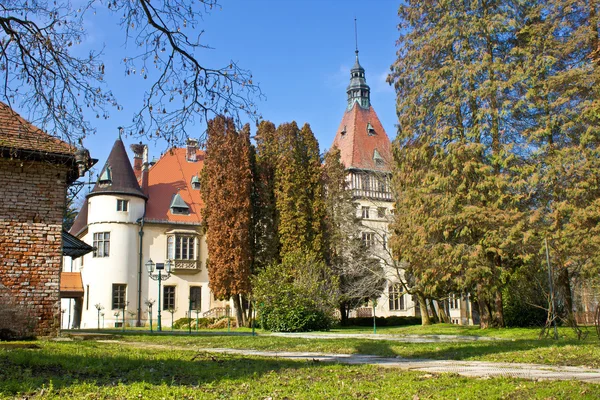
[524, 302]
[203, 323]
[297, 295]
[16, 320]
[384, 321]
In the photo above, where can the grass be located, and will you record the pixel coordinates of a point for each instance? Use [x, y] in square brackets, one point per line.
[514, 345]
[91, 370]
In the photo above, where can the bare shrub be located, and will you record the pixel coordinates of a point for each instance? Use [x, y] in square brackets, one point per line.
[17, 322]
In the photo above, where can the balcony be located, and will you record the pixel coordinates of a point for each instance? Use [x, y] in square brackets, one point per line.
[372, 194]
[187, 266]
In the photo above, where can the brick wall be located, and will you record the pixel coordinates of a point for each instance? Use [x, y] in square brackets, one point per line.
[32, 200]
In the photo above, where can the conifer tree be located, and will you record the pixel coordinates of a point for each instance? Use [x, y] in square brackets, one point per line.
[227, 183]
[266, 238]
[453, 155]
[299, 191]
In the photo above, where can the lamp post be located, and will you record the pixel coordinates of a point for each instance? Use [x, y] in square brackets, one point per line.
[151, 267]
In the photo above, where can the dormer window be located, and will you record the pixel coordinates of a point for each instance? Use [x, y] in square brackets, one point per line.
[370, 129]
[343, 131]
[195, 182]
[105, 176]
[178, 206]
[379, 161]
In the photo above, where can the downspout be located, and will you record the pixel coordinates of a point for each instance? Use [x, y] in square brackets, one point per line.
[141, 234]
[140, 266]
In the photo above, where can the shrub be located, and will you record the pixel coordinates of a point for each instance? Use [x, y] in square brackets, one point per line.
[524, 302]
[203, 323]
[297, 295]
[16, 320]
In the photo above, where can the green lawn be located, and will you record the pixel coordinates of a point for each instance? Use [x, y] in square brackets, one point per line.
[513, 345]
[91, 370]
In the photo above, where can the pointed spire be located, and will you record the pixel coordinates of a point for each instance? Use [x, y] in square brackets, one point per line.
[117, 176]
[358, 91]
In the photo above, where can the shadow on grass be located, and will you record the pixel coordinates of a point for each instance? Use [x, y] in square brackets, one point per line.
[62, 365]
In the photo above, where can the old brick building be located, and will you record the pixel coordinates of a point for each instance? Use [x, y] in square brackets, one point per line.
[35, 170]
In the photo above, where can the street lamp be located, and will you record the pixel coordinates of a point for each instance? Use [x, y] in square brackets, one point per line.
[160, 267]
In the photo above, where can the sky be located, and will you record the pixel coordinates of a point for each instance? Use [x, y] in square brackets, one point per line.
[299, 51]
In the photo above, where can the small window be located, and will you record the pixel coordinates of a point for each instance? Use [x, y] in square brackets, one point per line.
[101, 244]
[343, 131]
[380, 212]
[370, 129]
[365, 212]
[195, 296]
[195, 182]
[122, 205]
[168, 297]
[119, 292]
[453, 301]
[396, 297]
[87, 297]
[368, 238]
[365, 182]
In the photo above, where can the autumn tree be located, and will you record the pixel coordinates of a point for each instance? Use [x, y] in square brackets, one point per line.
[227, 183]
[42, 70]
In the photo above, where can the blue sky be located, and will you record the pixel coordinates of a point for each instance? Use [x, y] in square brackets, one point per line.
[299, 51]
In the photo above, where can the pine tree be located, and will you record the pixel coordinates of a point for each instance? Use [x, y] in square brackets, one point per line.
[227, 183]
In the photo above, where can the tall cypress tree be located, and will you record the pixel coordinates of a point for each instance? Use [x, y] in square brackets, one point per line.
[227, 184]
[299, 191]
[266, 238]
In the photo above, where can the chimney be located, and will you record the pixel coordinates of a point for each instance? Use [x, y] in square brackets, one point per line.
[145, 171]
[192, 147]
[138, 153]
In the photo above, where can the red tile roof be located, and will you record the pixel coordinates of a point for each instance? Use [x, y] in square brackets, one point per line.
[173, 174]
[17, 133]
[357, 146]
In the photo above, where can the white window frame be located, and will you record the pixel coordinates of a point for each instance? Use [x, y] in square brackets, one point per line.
[182, 247]
[397, 301]
[365, 212]
[368, 239]
[101, 244]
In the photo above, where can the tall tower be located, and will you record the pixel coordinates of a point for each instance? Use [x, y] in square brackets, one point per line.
[365, 151]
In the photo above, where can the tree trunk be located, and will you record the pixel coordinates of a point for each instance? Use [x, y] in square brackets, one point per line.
[443, 314]
[498, 310]
[343, 308]
[434, 315]
[239, 313]
[484, 316]
[563, 287]
[425, 320]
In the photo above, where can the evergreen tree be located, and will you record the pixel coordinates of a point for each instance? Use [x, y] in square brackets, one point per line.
[266, 238]
[454, 220]
[299, 191]
[227, 183]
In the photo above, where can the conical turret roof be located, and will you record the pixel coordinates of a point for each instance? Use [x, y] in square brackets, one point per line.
[117, 176]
